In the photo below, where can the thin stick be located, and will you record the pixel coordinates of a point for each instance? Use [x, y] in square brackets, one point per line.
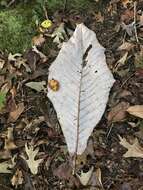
[135, 29]
[127, 80]
[111, 127]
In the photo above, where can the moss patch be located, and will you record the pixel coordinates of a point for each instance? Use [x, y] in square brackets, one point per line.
[16, 30]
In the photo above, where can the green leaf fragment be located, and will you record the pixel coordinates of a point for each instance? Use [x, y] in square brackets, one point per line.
[2, 99]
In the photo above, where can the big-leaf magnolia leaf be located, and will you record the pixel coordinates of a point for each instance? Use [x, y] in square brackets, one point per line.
[84, 85]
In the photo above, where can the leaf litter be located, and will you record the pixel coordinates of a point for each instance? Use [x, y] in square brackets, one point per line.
[28, 117]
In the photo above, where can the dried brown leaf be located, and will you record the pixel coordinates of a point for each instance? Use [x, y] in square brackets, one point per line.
[5, 154]
[64, 171]
[127, 16]
[96, 181]
[22, 62]
[118, 113]
[7, 165]
[85, 177]
[12, 57]
[2, 62]
[99, 17]
[9, 141]
[6, 87]
[141, 20]
[14, 115]
[126, 2]
[81, 159]
[42, 56]
[126, 46]
[17, 179]
[38, 40]
[121, 61]
[129, 28]
[4, 167]
[136, 110]
[134, 149]
[32, 163]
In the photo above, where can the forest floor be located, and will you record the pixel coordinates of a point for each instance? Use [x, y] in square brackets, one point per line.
[28, 123]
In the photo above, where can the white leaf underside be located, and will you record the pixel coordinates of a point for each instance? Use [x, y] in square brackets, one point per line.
[84, 89]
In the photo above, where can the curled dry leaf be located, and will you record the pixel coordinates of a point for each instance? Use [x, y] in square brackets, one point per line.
[81, 160]
[32, 163]
[126, 46]
[17, 179]
[11, 104]
[99, 17]
[89, 151]
[38, 40]
[5, 154]
[98, 176]
[121, 61]
[2, 62]
[14, 115]
[127, 16]
[118, 113]
[7, 165]
[134, 149]
[9, 141]
[126, 2]
[139, 59]
[85, 82]
[13, 91]
[59, 35]
[34, 122]
[96, 181]
[42, 56]
[126, 186]
[22, 62]
[3, 92]
[124, 93]
[38, 86]
[5, 88]
[64, 171]
[128, 28]
[14, 56]
[4, 167]
[85, 177]
[136, 110]
[141, 20]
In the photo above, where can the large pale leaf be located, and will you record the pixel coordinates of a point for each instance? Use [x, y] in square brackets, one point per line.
[84, 85]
